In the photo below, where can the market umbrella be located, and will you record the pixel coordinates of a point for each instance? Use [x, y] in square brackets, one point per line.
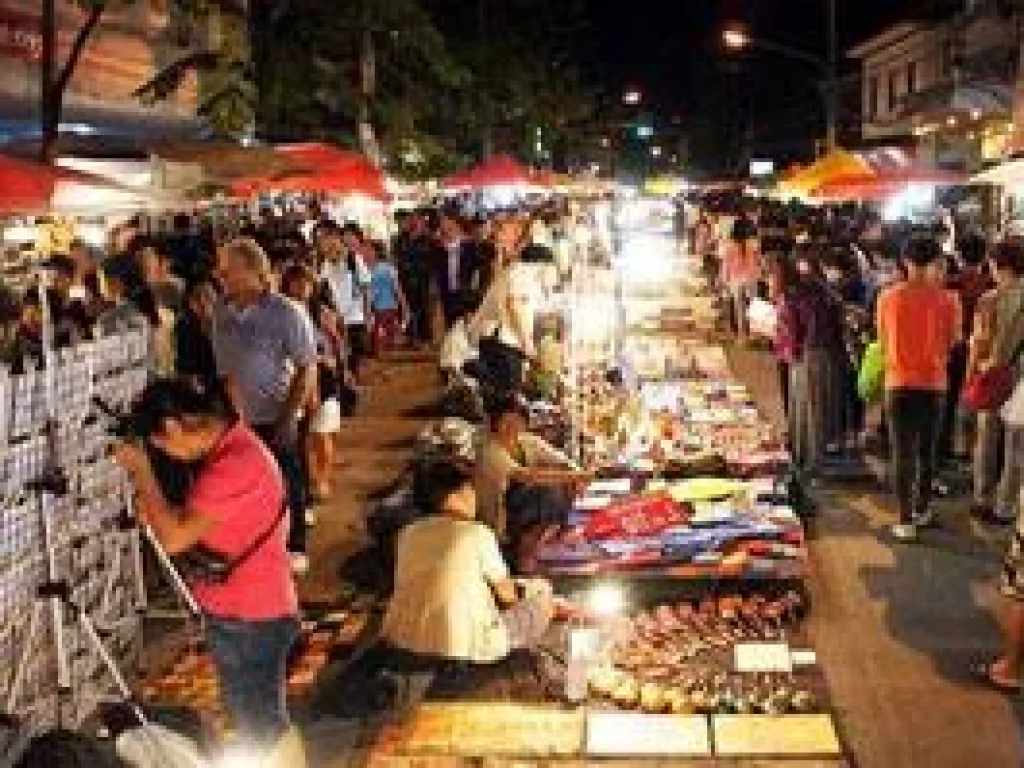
[835, 164]
[498, 171]
[351, 180]
[875, 186]
[28, 187]
[224, 162]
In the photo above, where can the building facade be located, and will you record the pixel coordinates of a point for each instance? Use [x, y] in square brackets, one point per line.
[945, 85]
[130, 46]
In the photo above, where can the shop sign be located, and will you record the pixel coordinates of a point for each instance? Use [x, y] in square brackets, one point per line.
[21, 35]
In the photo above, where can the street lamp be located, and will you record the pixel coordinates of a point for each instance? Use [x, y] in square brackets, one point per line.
[631, 97]
[736, 39]
[655, 151]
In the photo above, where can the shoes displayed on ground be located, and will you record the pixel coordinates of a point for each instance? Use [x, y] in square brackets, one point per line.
[987, 515]
[299, 563]
[905, 532]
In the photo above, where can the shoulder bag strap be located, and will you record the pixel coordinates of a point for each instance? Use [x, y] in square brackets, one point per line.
[260, 540]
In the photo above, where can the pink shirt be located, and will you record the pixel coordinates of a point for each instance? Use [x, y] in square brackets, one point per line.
[241, 488]
[741, 262]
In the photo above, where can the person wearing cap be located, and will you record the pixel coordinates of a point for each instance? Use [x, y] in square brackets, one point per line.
[454, 596]
[509, 454]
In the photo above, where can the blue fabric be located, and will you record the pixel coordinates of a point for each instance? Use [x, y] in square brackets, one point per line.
[383, 289]
[251, 659]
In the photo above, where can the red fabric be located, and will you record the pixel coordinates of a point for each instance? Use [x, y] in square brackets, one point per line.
[637, 517]
[387, 329]
[326, 169]
[28, 187]
[500, 170]
[875, 186]
[241, 488]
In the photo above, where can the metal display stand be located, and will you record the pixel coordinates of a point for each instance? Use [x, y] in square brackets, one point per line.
[72, 588]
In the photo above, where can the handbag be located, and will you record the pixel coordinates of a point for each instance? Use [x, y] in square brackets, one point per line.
[989, 390]
[204, 565]
[871, 376]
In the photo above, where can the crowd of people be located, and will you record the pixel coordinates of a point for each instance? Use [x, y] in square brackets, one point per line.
[264, 336]
[893, 338]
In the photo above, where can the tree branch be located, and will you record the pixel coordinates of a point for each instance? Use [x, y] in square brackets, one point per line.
[84, 33]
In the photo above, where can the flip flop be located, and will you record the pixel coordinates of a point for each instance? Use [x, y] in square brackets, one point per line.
[982, 673]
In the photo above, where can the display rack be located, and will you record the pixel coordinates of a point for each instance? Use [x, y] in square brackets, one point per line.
[71, 585]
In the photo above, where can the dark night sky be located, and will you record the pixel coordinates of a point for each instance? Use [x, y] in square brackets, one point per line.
[671, 51]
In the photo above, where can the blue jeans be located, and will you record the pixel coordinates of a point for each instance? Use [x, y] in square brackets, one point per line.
[251, 659]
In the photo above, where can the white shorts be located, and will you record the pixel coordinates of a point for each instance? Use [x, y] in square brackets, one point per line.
[327, 420]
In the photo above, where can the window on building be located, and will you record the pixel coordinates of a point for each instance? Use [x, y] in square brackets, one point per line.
[912, 77]
[891, 107]
[873, 85]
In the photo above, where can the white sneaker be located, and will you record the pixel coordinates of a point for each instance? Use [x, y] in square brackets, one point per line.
[311, 517]
[904, 532]
[926, 519]
[300, 563]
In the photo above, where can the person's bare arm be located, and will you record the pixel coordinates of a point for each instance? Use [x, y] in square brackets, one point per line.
[303, 383]
[178, 530]
[505, 592]
[234, 395]
[555, 477]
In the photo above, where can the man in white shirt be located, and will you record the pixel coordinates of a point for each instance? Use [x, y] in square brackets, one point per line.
[348, 280]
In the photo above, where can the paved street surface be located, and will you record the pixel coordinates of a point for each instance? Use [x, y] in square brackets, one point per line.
[896, 627]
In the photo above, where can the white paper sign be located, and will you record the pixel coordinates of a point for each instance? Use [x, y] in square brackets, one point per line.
[763, 657]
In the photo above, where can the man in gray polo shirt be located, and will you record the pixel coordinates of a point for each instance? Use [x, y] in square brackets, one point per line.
[266, 353]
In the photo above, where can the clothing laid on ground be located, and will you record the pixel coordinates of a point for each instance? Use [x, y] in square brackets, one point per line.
[443, 604]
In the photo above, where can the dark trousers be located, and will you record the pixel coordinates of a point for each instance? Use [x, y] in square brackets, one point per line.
[292, 465]
[251, 659]
[957, 374]
[417, 293]
[915, 417]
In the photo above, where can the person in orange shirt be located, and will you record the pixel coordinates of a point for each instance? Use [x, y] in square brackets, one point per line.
[918, 324]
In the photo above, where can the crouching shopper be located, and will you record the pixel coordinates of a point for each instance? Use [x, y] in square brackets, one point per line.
[454, 598]
[525, 485]
[235, 516]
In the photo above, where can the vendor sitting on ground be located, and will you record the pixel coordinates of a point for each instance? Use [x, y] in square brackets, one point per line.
[454, 598]
[511, 458]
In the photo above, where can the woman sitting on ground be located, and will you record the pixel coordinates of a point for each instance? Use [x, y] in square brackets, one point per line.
[454, 598]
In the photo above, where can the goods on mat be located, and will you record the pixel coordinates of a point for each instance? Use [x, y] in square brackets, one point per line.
[679, 659]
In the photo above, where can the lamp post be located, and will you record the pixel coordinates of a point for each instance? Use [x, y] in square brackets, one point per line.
[735, 38]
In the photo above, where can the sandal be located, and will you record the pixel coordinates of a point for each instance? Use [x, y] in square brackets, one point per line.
[982, 673]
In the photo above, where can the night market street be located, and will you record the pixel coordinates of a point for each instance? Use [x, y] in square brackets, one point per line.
[895, 638]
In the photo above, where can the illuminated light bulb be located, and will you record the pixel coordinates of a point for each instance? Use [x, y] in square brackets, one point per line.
[951, 121]
[975, 114]
[606, 600]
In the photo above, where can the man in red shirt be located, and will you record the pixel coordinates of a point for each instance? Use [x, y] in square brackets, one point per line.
[918, 324]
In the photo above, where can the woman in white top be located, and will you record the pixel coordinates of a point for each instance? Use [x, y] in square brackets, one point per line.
[454, 598]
